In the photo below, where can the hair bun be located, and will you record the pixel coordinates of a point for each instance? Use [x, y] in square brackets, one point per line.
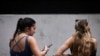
[76, 20]
[20, 18]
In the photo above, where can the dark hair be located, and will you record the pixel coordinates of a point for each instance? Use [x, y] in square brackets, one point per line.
[22, 24]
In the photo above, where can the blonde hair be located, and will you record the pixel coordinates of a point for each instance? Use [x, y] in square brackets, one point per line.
[82, 44]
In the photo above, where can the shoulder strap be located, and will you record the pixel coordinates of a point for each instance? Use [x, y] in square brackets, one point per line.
[17, 43]
[26, 42]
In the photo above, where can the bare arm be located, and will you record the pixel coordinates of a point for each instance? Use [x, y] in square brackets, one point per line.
[35, 49]
[95, 43]
[95, 47]
[65, 46]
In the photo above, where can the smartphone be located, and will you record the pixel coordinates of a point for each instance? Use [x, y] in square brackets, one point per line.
[48, 46]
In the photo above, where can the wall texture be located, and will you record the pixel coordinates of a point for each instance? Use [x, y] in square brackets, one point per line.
[51, 28]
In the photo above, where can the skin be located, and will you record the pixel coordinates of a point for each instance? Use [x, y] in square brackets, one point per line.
[67, 44]
[31, 42]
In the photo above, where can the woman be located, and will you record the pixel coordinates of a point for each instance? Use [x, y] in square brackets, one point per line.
[81, 42]
[23, 43]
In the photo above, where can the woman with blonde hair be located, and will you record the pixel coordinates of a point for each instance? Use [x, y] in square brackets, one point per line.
[81, 42]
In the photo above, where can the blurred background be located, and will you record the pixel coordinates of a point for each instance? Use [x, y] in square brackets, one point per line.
[51, 28]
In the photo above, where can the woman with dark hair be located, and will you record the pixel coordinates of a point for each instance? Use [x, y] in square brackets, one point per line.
[81, 42]
[23, 43]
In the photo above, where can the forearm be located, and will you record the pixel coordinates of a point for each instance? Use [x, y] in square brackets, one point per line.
[62, 55]
[58, 53]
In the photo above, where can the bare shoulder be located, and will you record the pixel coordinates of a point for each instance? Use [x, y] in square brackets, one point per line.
[95, 42]
[74, 35]
[30, 38]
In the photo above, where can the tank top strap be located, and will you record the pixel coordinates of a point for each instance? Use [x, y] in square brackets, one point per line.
[17, 43]
[26, 42]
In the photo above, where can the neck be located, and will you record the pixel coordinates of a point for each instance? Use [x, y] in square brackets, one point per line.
[26, 33]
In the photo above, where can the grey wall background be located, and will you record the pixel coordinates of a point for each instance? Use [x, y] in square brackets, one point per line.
[51, 28]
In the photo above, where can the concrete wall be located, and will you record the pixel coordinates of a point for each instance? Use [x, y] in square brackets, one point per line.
[51, 28]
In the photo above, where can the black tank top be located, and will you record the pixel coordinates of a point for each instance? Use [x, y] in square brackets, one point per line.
[26, 52]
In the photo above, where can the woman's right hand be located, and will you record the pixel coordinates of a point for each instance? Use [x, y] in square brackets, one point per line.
[46, 49]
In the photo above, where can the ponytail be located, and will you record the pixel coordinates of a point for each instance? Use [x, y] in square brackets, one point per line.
[17, 28]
